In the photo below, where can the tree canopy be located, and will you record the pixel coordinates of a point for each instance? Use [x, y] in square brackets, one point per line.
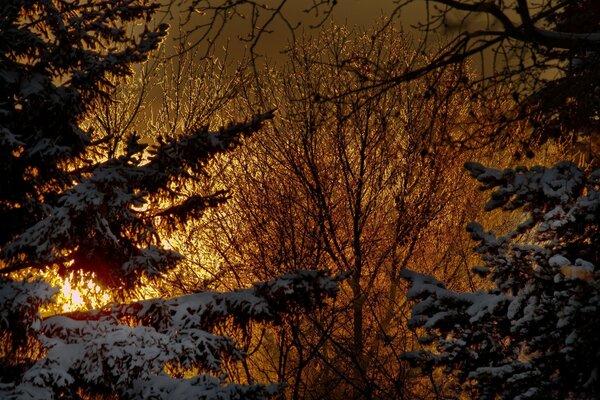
[531, 333]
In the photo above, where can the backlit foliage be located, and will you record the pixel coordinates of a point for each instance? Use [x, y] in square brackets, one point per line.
[370, 182]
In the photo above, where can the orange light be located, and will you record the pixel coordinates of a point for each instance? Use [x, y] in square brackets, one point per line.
[73, 290]
[72, 297]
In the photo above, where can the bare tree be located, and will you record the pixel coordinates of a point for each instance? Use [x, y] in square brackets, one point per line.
[204, 23]
[539, 55]
[367, 184]
[543, 55]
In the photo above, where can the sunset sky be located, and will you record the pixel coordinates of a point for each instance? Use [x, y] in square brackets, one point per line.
[352, 13]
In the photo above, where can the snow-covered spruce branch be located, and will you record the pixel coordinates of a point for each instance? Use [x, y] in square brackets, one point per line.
[264, 301]
[125, 349]
[533, 334]
[99, 213]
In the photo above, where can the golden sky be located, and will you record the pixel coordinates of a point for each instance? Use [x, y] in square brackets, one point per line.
[353, 13]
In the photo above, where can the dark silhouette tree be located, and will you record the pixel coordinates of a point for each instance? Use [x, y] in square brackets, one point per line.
[543, 54]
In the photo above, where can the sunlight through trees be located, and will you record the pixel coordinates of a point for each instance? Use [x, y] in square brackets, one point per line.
[179, 219]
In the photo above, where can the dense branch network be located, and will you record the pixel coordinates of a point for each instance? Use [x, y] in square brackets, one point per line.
[544, 55]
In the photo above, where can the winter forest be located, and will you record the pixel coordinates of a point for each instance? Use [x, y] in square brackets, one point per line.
[260, 199]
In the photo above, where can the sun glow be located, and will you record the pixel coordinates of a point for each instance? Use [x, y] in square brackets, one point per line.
[72, 296]
[81, 293]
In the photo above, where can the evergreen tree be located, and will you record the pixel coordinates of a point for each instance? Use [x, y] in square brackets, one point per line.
[534, 333]
[67, 207]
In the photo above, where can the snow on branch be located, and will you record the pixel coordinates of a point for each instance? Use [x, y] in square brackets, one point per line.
[127, 349]
[561, 183]
[19, 306]
[97, 223]
[264, 301]
[521, 337]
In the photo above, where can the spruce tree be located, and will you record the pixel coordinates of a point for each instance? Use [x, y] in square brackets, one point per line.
[533, 334]
[66, 207]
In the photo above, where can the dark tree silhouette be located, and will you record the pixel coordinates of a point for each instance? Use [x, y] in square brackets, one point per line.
[544, 54]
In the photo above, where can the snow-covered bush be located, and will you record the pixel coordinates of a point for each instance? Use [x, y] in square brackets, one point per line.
[534, 332]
